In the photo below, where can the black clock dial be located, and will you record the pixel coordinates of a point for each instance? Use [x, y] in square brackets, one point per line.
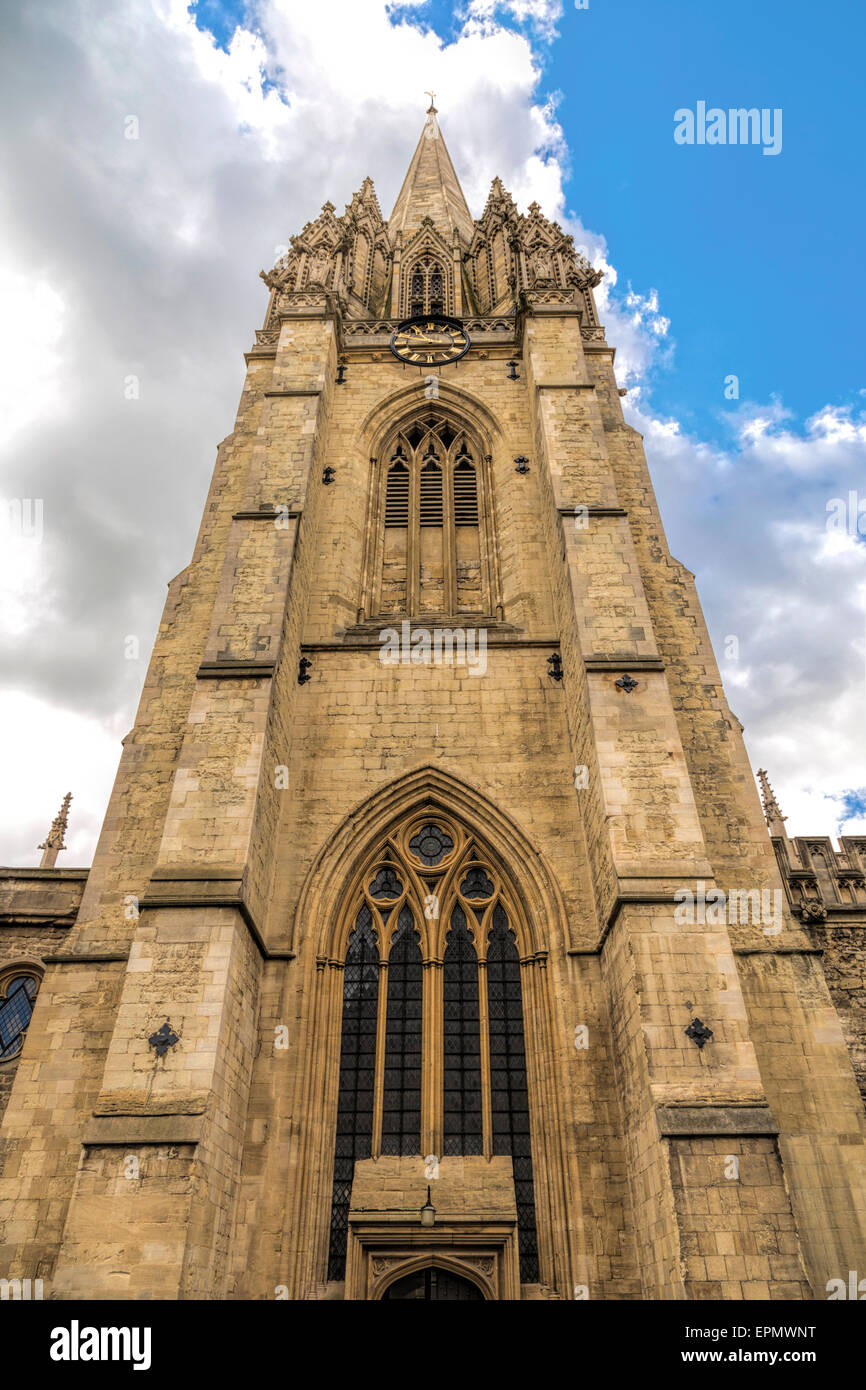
[429, 340]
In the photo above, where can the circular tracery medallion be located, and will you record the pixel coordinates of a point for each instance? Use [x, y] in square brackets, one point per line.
[429, 340]
[431, 844]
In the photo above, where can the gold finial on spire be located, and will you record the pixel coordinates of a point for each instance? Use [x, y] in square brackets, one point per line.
[431, 109]
[772, 811]
[53, 841]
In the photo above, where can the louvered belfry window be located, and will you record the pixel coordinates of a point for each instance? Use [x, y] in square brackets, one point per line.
[430, 499]
[431, 544]
[433, 1062]
[397, 495]
[465, 493]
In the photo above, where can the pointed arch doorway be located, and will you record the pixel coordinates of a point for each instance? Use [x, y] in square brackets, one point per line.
[434, 1285]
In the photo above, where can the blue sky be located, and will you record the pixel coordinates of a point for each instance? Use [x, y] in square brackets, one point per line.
[753, 256]
[141, 256]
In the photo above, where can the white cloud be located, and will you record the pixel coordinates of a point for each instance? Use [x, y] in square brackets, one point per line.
[139, 257]
[752, 523]
[542, 15]
[31, 327]
[239, 73]
[45, 752]
[24, 596]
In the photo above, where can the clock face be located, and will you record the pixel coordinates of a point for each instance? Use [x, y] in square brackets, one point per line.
[430, 340]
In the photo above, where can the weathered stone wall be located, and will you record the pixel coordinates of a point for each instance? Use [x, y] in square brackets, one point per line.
[24, 946]
[52, 1098]
[39, 897]
[60, 1075]
[738, 1236]
[37, 909]
[844, 964]
[164, 1225]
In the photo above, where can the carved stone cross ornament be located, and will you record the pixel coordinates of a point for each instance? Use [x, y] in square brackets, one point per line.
[163, 1039]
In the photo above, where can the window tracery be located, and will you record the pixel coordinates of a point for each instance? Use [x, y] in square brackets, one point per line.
[450, 1076]
[428, 287]
[431, 555]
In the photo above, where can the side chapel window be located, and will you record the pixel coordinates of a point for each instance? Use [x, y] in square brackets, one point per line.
[18, 989]
[481, 1103]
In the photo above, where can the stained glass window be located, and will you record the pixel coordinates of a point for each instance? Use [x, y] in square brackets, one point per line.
[401, 1100]
[386, 885]
[476, 884]
[508, 1082]
[16, 1011]
[463, 1133]
[357, 1065]
[431, 844]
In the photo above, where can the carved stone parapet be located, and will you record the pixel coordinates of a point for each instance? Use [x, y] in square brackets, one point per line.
[290, 302]
[550, 295]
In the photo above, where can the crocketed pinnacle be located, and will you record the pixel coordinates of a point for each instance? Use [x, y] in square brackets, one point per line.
[772, 811]
[54, 840]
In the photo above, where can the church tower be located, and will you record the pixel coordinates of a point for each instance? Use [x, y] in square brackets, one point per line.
[434, 945]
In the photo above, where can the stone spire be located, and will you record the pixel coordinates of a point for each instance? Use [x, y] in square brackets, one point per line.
[772, 811]
[53, 841]
[431, 189]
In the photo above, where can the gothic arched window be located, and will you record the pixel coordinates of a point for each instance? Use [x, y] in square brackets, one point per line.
[18, 989]
[431, 553]
[427, 286]
[436, 1067]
